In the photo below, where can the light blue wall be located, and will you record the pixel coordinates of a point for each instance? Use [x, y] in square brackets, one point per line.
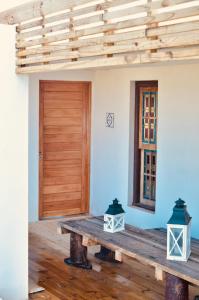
[178, 143]
[111, 167]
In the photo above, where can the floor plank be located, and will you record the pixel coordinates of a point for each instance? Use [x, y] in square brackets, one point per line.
[127, 281]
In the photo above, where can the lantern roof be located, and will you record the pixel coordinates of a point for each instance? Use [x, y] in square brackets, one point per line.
[180, 214]
[115, 208]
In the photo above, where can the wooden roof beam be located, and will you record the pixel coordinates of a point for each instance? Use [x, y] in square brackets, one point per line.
[36, 9]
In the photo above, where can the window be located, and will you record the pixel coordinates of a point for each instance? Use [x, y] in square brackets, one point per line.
[145, 156]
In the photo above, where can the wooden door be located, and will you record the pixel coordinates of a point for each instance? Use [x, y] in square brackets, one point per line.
[64, 148]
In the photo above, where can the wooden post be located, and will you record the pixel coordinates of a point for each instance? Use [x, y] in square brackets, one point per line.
[176, 288]
[106, 255]
[78, 253]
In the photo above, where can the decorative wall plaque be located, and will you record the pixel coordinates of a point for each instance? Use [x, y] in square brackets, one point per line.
[110, 120]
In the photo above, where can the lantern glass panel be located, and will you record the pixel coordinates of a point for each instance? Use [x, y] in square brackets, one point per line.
[109, 222]
[176, 242]
[118, 222]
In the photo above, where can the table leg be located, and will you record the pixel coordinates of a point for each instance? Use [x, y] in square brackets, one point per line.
[106, 255]
[78, 253]
[176, 288]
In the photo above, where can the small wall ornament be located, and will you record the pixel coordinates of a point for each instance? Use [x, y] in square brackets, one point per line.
[110, 118]
[179, 233]
[114, 217]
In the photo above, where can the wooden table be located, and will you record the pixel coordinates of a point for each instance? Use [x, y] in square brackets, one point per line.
[146, 246]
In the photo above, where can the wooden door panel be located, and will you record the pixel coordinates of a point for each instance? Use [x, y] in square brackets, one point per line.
[60, 103]
[58, 205]
[61, 137]
[62, 130]
[68, 171]
[63, 113]
[67, 121]
[64, 147]
[56, 96]
[61, 180]
[62, 197]
[54, 147]
[61, 155]
[53, 189]
[61, 164]
[63, 87]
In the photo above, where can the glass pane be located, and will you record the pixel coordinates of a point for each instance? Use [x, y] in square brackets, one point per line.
[149, 115]
[149, 182]
[176, 242]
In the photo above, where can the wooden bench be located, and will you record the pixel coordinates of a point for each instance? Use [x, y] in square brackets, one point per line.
[146, 246]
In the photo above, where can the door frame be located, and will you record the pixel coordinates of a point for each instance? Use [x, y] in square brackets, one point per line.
[86, 205]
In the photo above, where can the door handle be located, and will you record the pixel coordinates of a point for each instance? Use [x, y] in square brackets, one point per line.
[40, 155]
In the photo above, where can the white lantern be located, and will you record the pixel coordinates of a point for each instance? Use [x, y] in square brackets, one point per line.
[179, 233]
[114, 218]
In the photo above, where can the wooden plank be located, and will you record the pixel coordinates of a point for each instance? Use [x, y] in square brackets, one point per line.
[73, 35]
[62, 196]
[36, 9]
[88, 242]
[172, 40]
[33, 287]
[101, 6]
[62, 205]
[119, 60]
[67, 188]
[190, 26]
[135, 248]
[61, 230]
[137, 21]
[63, 16]
[93, 8]
[65, 212]
[159, 274]
[118, 255]
[63, 155]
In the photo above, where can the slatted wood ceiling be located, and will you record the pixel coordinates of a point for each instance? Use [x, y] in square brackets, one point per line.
[75, 34]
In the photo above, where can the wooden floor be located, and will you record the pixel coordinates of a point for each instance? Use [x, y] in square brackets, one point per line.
[126, 281]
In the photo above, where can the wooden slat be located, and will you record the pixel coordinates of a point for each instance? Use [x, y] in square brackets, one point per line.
[62, 180]
[75, 34]
[173, 40]
[92, 9]
[62, 196]
[171, 54]
[63, 155]
[184, 27]
[138, 21]
[63, 16]
[36, 9]
[62, 188]
[89, 41]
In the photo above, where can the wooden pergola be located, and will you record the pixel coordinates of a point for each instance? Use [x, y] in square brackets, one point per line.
[76, 34]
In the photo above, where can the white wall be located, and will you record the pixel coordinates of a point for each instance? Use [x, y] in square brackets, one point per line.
[34, 129]
[178, 144]
[13, 173]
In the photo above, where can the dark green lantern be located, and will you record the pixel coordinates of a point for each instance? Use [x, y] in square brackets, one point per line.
[179, 233]
[114, 217]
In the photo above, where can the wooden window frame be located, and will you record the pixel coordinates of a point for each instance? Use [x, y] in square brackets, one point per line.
[137, 153]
